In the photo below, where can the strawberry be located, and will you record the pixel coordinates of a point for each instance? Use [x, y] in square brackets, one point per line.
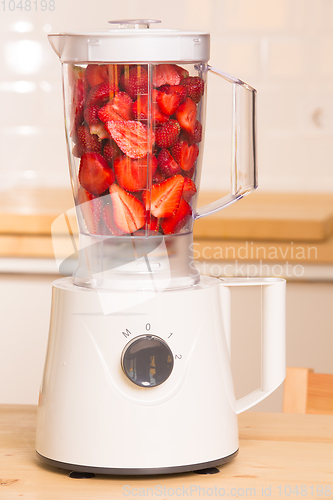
[120, 108]
[135, 81]
[111, 151]
[86, 141]
[94, 173]
[195, 87]
[99, 130]
[96, 74]
[195, 137]
[158, 177]
[186, 115]
[100, 94]
[167, 134]
[140, 109]
[184, 154]
[91, 208]
[166, 73]
[167, 165]
[132, 174]
[183, 73]
[165, 197]
[189, 189]
[128, 211]
[109, 225]
[180, 89]
[91, 115]
[174, 224]
[168, 101]
[131, 137]
[152, 225]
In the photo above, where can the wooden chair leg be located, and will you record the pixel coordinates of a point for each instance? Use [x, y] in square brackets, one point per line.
[295, 390]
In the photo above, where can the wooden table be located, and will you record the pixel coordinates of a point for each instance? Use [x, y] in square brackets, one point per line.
[281, 456]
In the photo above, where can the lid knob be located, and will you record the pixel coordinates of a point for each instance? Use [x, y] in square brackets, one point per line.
[134, 23]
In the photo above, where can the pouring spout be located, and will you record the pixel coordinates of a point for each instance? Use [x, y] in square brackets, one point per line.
[57, 43]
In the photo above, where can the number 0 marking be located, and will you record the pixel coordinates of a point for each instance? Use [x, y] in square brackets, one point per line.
[148, 327]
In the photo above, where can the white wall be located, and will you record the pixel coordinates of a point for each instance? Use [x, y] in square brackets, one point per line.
[282, 47]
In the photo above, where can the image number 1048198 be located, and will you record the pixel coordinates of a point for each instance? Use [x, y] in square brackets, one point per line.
[27, 5]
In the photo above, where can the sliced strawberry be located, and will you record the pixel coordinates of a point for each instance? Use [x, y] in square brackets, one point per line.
[131, 137]
[100, 94]
[195, 87]
[91, 208]
[189, 189]
[180, 89]
[77, 107]
[174, 224]
[109, 225]
[96, 74]
[168, 102]
[140, 109]
[195, 137]
[132, 174]
[182, 71]
[134, 80]
[94, 173]
[165, 197]
[166, 73]
[128, 211]
[111, 151]
[186, 115]
[184, 154]
[167, 164]
[120, 108]
[152, 225]
[86, 141]
[167, 134]
[99, 130]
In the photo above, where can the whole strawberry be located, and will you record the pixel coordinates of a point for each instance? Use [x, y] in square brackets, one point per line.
[135, 81]
[195, 87]
[167, 134]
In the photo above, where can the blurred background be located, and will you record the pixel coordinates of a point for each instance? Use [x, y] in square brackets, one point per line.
[283, 48]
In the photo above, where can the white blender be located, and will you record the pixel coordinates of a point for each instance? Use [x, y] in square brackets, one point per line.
[137, 375]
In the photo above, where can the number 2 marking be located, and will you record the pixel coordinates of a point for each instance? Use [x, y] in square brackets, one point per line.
[178, 356]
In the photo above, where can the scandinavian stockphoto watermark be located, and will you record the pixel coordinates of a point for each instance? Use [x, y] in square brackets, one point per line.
[251, 259]
[195, 490]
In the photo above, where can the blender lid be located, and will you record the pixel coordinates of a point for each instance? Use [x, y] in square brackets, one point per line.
[132, 40]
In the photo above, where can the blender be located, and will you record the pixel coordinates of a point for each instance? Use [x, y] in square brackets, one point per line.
[137, 375]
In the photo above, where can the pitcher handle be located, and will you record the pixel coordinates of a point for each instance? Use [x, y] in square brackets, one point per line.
[243, 168]
[273, 338]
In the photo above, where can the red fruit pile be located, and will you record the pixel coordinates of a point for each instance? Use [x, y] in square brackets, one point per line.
[137, 155]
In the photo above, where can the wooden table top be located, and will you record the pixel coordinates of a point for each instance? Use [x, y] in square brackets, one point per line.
[280, 456]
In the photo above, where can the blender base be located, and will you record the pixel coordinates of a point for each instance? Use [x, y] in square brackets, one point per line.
[136, 472]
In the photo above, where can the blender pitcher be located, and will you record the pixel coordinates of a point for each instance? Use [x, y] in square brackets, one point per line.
[137, 375]
[135, 102]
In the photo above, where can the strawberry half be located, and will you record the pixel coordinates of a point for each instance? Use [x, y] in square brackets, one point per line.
[187, 115]
[96, 74]
[94, 173]
[165, 197]
[158, 177]
[132, 174]
[120, 108]
[131, 137]
[86, 141]
[128, 211]
[180, 89]
[167, 164]
[140, 109]
[184, 154]
[109, 225]
[166, 74]
[168, 102]
[134, 80]
[195, 87]
[174, 224]
[167, 134]
[189, 189]
[91, 208]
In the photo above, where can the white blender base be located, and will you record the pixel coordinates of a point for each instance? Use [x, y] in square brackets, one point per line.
[93, 418]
